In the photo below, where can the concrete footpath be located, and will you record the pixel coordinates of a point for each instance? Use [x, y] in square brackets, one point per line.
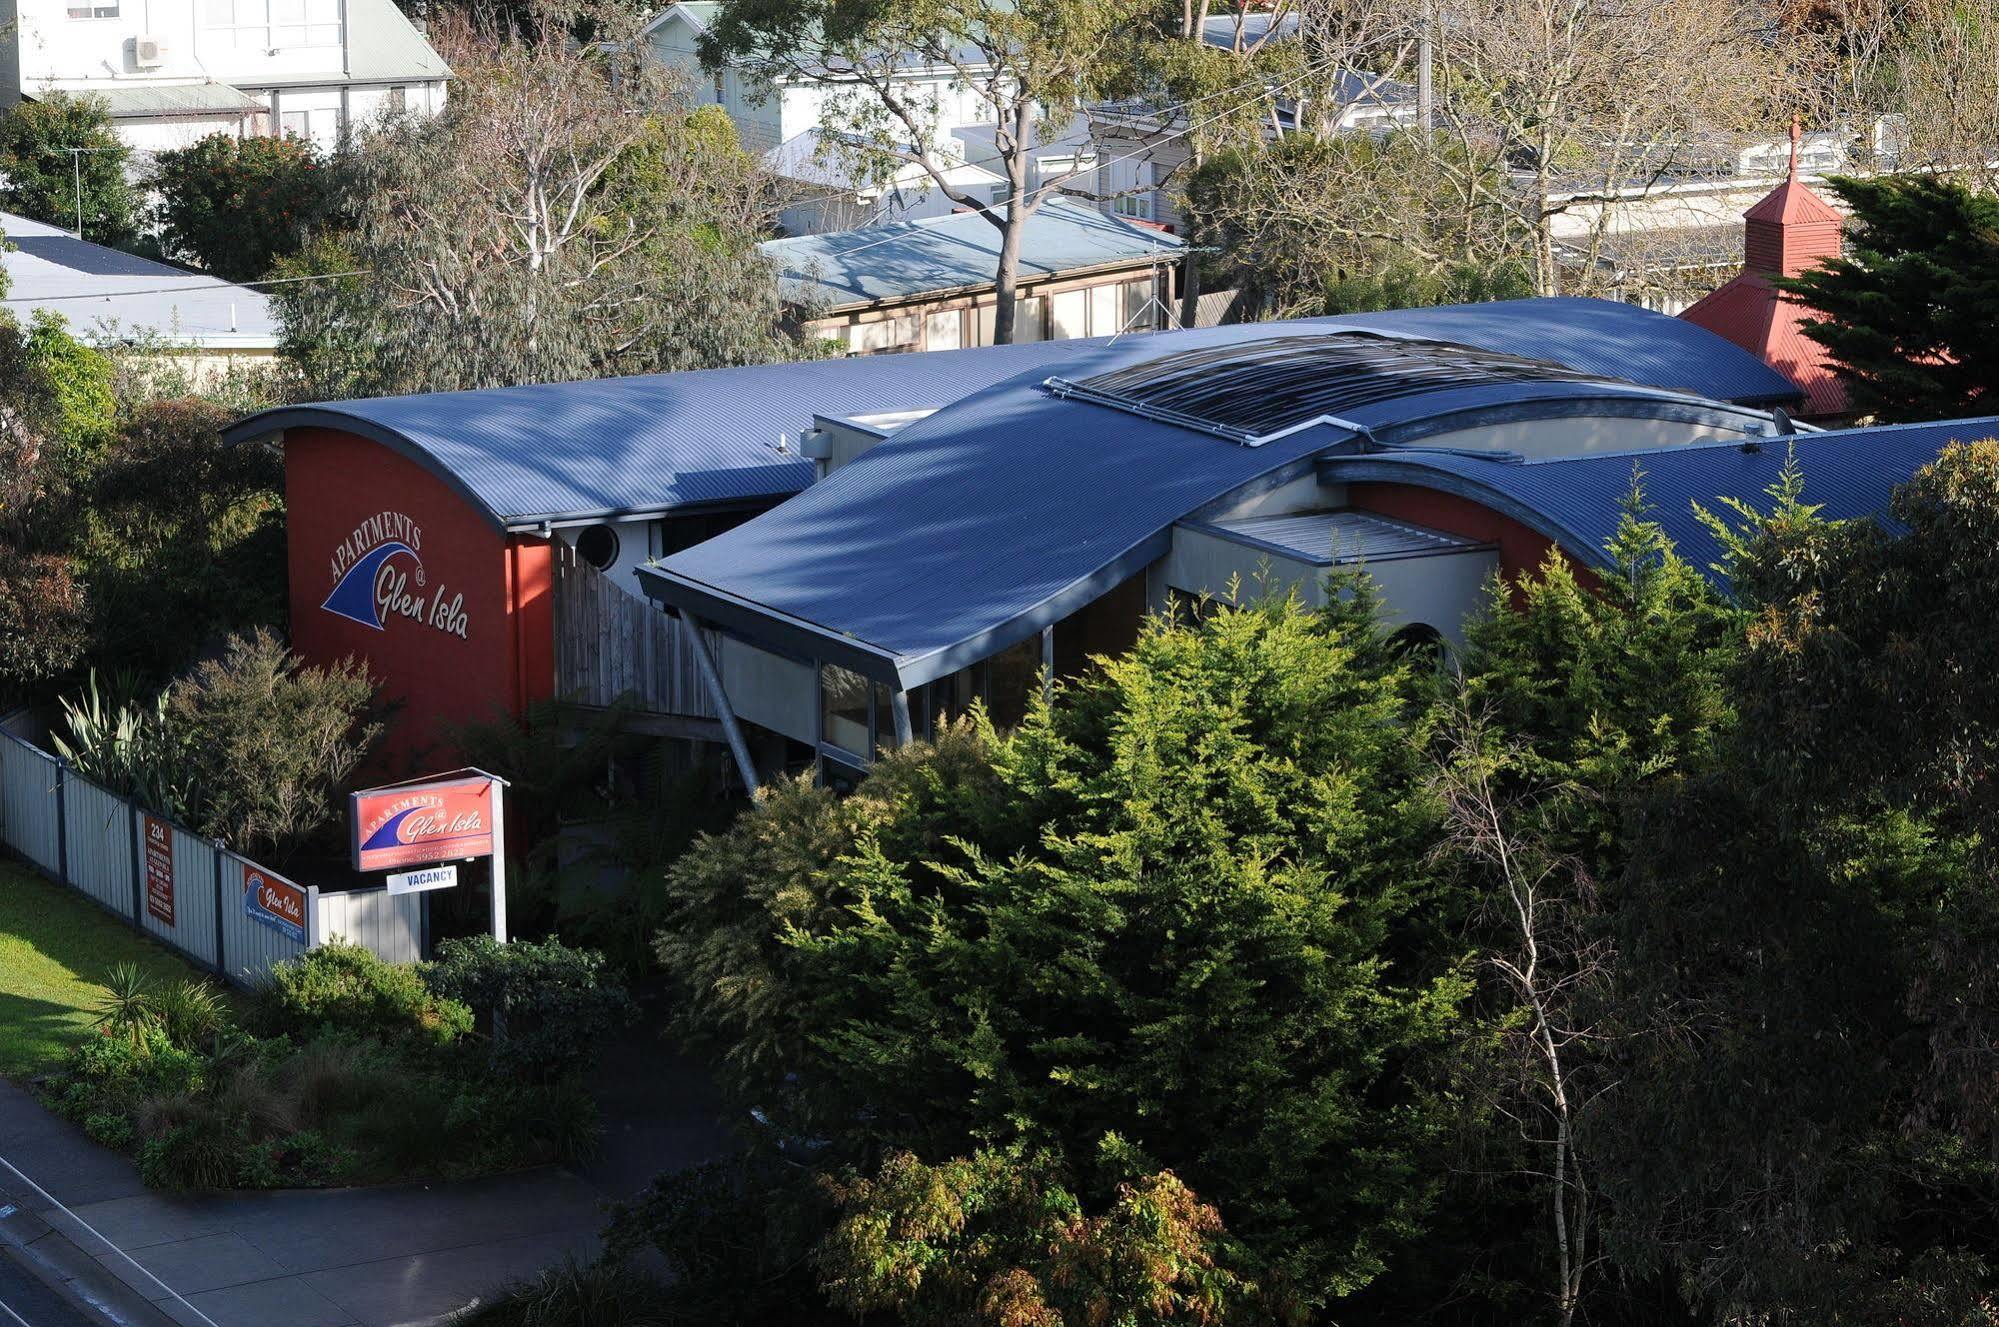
[391, 1256]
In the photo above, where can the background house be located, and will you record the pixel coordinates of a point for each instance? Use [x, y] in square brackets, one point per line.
[822, 190]
[175, 71]
[928, 285]
[110, 297]
[767, 115]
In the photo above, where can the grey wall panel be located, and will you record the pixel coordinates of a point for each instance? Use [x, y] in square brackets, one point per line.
[28, 802]
[389, 924]
[99, 828]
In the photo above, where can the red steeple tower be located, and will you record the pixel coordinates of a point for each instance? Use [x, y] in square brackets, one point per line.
[1787, 234]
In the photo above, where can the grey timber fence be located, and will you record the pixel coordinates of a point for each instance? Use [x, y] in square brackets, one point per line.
[216, 907]
[611, 644]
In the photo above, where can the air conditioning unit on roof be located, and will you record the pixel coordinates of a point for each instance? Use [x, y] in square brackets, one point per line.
[148, 52]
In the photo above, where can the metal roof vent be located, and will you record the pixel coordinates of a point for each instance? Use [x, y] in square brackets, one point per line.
[1254, 392]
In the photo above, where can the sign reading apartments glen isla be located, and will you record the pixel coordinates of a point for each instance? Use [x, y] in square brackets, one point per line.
[429, 822]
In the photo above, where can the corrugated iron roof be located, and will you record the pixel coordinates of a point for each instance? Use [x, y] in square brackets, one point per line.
[1753, 314]
[107, 294]
[913, 258]
[1577, 501]
[154, 99]
[974, 528]
[383, 45]
[583, 450]
[1337, 538]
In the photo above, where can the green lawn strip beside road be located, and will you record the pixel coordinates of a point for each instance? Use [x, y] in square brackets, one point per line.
[55, 947]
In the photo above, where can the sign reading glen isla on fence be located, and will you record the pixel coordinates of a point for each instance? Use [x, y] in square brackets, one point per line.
[425, 822]
[274, 901]
[159, 870]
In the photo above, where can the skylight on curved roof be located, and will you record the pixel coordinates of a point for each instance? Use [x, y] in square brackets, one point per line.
[1253, 392]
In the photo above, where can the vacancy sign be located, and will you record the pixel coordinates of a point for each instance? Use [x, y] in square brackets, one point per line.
[431, 877]
[420, 823]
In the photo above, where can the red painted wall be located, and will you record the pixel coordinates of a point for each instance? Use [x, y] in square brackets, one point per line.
[348, 500]
[1520, 549]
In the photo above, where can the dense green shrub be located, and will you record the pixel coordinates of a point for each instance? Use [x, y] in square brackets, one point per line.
[42, 176]
[549, 1007]
[347, 989]
[1191, 902]
[236, 205]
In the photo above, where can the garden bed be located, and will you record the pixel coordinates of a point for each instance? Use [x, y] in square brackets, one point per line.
[348, 1070]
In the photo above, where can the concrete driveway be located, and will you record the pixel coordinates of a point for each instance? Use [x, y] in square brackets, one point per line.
[391, 1256]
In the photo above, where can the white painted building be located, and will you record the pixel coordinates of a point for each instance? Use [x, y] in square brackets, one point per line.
[769, 114]
[176, 71]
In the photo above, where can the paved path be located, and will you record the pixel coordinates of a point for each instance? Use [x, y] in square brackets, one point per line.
[378, 1257]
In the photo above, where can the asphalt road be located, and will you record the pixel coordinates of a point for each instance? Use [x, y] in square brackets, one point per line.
[24, 1300]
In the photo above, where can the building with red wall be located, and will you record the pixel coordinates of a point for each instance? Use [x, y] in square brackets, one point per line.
[1785, 235]
[388, 564]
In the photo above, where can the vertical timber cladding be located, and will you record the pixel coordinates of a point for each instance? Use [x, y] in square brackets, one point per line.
[452, 616]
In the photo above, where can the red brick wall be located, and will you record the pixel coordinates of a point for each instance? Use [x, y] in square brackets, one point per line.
[347, 498]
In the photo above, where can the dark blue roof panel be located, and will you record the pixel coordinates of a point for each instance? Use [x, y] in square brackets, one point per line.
[1576, 501]
[645, 444]
[971, 529]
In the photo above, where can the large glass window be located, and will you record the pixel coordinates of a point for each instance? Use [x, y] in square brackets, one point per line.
[263, 25]
[102, 9]
[844, 704]
[1139, 315]
[1028, 316]
[886, 336]
[944, 331]
[1071, 315]
[1106, 316]
[1015, 675]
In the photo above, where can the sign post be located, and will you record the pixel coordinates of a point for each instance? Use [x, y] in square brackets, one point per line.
[430, 821]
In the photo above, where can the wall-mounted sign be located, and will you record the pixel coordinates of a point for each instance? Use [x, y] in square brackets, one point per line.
[274, 901]
[425, 822]
[430, 877]
[159, 861]
[378, 577]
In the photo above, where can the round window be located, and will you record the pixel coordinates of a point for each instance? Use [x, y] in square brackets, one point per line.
[598, 546]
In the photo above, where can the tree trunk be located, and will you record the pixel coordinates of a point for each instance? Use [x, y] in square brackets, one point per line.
[1009, 272]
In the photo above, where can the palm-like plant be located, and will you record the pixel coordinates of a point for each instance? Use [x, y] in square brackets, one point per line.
[126, 1008]
[128, 746]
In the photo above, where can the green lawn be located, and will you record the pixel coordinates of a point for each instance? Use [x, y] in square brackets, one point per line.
[54, 947]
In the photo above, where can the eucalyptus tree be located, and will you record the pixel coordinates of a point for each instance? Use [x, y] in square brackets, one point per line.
[564, 217]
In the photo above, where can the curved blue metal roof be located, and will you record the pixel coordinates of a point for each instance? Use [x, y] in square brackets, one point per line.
[974, 528]
[1576, 501]
[632, 446]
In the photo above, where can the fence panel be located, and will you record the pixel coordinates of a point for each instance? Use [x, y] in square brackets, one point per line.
[99, 828]
[183, 913]
[251, 944]
[28, 803]
[389, 924]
